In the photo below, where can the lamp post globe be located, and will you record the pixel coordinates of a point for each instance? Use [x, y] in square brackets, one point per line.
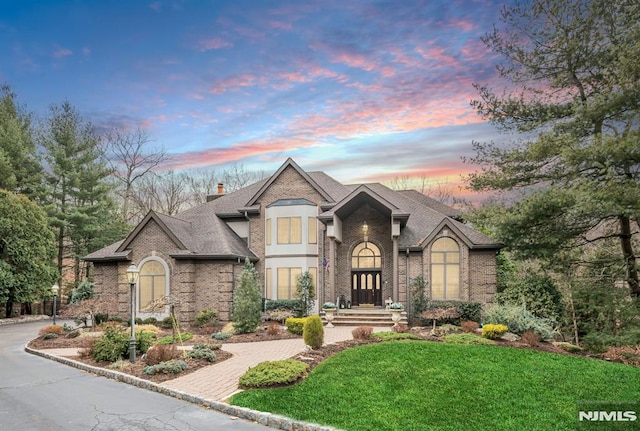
[132, 278]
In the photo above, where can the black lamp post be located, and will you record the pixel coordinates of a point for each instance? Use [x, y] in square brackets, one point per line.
[55, 289]
[132, 277]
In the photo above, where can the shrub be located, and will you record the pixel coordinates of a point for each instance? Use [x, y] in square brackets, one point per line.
[115, 319]
[273, 373]
[466, 310]
[469, 326]
[167, 323]
[100, 318]
[161, 353]
[390, 336]
[440, 313]
[313, 332]
[466, 339]
[626, 354]
[419, 299]
[536, 292]
[400, 327]
[144, 340]
[362, 333]
[150, 321]
[247, 301]
[112, 345]
[152, 329]
[295, 325]
[292, 305]
[519, 320]
[599, 342]
[206, 317]
[493, 332]
[221, 335]
[278, 315]
[202, 351]
[50, 336]
[173, 366]
[82, 292]
[273, 328]
[179, 338]
[531, 338]
[52, 329]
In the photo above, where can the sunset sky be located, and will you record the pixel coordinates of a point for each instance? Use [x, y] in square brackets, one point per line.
[364, 90]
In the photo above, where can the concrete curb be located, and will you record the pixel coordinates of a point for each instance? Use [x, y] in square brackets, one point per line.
[262, 418]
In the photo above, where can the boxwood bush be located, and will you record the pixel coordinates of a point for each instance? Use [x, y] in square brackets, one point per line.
[273, 373]
[295, 325]
[313, 332]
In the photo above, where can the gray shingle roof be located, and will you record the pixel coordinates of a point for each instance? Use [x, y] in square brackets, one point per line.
[201, 232]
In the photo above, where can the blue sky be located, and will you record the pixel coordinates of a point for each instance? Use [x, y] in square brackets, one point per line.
[364, 90]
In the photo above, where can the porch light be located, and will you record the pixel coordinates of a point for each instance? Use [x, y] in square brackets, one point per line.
[132, 277]
[132, 274]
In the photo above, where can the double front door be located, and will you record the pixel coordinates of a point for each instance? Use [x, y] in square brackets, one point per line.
[366, 288]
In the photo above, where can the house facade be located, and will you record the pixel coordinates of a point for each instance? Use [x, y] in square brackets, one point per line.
[365, 243]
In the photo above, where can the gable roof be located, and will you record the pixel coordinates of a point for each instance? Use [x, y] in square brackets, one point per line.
[288, 163]
[169, 225]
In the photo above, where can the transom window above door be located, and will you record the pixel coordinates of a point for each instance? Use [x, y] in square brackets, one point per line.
[366, 255]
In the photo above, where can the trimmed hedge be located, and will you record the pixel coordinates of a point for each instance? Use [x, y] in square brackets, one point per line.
[295, 325]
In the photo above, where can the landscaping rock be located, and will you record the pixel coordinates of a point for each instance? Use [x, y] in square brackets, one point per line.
[510, 336]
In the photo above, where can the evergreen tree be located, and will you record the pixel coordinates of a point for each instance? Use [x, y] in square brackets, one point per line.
[247, 300]
[20, 169]
[27, 249]
[80, 209]
[572, 89]
[305, 292]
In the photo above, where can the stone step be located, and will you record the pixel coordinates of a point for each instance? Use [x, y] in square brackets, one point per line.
[374, 317]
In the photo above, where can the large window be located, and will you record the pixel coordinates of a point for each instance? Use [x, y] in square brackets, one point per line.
[445, 269]
[153, 283]
[312, 230]
[287, 278]
[289, 230]
[366, 256]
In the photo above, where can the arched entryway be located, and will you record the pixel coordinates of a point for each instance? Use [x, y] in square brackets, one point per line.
[366, 275]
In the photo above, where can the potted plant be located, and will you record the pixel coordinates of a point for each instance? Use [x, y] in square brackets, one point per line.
[396, 309]
[329, 309]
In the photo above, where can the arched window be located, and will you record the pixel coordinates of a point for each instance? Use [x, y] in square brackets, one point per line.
[445, 269]
[366, 255]
[153, 285]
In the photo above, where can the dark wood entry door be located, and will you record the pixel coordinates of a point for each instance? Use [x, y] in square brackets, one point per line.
[366, 288]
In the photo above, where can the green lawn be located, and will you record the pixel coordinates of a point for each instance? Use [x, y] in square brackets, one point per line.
[420, 386]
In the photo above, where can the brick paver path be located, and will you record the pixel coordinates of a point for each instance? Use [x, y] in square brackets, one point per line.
[219, 381]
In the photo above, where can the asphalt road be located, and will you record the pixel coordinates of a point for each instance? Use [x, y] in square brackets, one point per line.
[38, 394]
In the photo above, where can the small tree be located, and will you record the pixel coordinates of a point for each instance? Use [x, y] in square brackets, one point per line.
[419, 298]
[247, 301]
[305, 292]
[440, 313]
[82, 292]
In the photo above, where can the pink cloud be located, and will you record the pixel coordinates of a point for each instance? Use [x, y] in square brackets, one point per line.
[60, 52]
[233, 82]
[280, 25]
[357, 61]
[462, 24]
[213, 43]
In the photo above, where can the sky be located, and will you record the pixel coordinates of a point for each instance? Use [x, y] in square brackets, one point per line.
[366, 91]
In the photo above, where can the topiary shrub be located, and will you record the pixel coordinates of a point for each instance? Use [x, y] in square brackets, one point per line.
[202, 351]
[362, 333]
[313, 332]
[493, 332]
[295, 325]
[273, 373]
[206, 317]
[292, 305]
[179, 338]
[519, 320]
[174, 366]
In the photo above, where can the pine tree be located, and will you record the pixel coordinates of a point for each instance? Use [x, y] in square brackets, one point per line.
[305, 292]
[247, 300]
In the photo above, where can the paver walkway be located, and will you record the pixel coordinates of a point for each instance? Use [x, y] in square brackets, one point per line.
[220, 381]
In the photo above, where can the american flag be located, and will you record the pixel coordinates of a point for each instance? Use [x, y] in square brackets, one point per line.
[325, 263]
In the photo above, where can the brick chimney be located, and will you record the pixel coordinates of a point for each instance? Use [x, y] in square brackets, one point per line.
[220, 188]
